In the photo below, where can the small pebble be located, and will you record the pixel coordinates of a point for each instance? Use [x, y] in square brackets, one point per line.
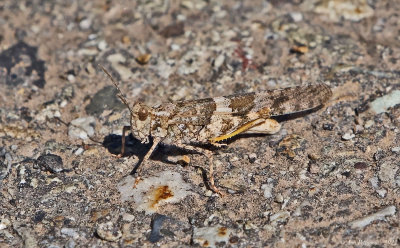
[71, 232]
[175, 47]
[374, 182]
[219, 61]
[70, 244]
[187, 4]
[396, 149]
[156, 225]
[328, 126]
[359, 129]
[279, 216]
[313, 156]
[51, 162]
[85, 24]
[88, 51]
[79, 151]
[63, 103]
[360, 165]
[128, 217]
[4, 223]
[388, 171]
[381, 192]
[92, 36]
[143, 59]
[279, 198]
[296, 16]
[382, 104]
[372, 218]
[369, 123]
[250, 226]
[252, 157]
[71, 78]
[268, 188]
[102, 45]
[82, 128]
[107, 231]
[348, 136]
[105, 99]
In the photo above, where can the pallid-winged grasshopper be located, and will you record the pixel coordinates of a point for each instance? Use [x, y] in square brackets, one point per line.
[212, 120]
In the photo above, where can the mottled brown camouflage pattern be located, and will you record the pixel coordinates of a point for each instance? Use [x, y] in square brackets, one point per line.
[212, 120]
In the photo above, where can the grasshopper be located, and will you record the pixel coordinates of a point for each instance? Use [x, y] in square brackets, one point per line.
[214, 120]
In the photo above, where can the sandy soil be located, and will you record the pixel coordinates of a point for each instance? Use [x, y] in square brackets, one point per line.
[329, 178]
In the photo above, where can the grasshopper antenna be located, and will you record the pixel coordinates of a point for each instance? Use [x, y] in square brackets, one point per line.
[120, 94]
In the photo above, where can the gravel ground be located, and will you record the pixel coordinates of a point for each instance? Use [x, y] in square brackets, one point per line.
[329, 178]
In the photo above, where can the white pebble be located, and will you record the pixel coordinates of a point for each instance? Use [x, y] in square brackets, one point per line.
[102, 45]
[219, 61]
[85, 24]
[296, 16]
[71, 78]
[348, 136]
[79, 151]
[82, 128]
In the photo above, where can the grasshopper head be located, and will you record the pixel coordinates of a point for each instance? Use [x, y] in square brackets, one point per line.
[141, 114]
[141, 121]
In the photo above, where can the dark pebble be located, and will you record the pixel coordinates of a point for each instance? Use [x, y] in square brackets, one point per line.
[105, 98]
[346, 173]
[360, 165]
[234, 240]
[328, 126]
[156, 225]
[39, 216]
[51, 162]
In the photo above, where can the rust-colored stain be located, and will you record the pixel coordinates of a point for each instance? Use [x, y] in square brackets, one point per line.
[205, 244]
[222, 231]
[161, 193]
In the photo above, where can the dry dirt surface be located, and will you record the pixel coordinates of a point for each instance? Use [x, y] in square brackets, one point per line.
[329, 178]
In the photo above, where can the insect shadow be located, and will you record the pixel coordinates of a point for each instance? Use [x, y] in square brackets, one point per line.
[134, 147]
[288, 117]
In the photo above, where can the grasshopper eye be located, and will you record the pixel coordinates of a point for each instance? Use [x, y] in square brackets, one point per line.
[142, 114]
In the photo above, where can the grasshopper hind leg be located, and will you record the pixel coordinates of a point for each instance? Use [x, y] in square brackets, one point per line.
[211, 173]
[209, 155]
[265, 126]
[269, 126]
